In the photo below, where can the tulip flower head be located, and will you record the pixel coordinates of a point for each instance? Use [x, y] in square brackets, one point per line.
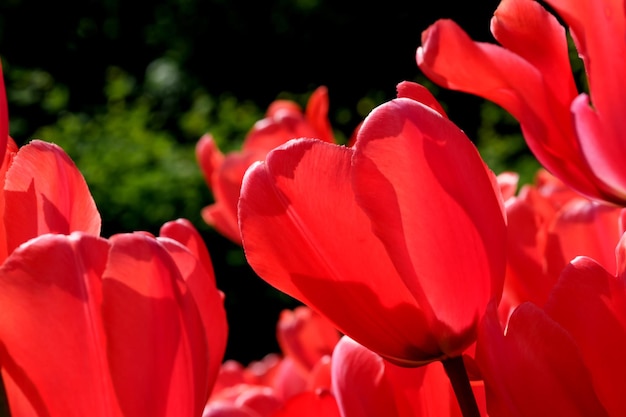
[566, 358]
[127, 326]
[284, 120]
[549, 224]
[578, 137]
[398, 240]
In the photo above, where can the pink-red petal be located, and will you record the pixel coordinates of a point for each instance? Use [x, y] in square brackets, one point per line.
[432, 202]
[45, 193]
[53, 344]
[494, 73]
[590, 303]
[156, 342]
[534, 369]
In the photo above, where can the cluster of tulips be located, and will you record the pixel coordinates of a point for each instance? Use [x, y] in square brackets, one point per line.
[429, 285]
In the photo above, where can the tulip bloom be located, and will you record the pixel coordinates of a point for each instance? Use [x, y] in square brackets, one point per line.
[578, 137]
[127, 326]
[549, 225]
[271, 384]
[398, 240]
[43, 192]
[223, 173]
[305, 336]
[282, 384]
[565, 359]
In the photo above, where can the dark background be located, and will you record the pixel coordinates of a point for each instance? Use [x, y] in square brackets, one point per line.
[252, 50]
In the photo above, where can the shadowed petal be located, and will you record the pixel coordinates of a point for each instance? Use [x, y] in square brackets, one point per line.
[535, 369]
[590, 303]
[200, 280]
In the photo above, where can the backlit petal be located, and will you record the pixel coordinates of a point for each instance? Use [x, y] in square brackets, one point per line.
[46, 193]
[53, 340]
[432, 202]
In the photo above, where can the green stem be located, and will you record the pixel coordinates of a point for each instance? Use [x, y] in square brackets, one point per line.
[455, 369]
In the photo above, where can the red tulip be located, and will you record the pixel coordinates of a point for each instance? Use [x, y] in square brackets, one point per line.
[534, 369]
[399, 241]
[268, 385]
[43, 192]
[530, 76]
[549, 225]
[567, 359]
[113, 327]
[223, 173]
[194, 262]
[305, 336]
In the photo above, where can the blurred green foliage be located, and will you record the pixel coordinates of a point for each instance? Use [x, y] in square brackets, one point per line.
[139, 173]
[501, 144]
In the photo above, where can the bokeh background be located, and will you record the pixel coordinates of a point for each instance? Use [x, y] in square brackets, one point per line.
[128, 87]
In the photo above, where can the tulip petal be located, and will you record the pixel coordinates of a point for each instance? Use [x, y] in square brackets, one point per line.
[200, 280]
[208, 156]
[599, 28]
[157, 347]
[359, 383]
[226, 187]
[11, 150]
[527, 29]
[421, 94]
[601, 146]
[270, 133]
[52, 336]
[183, 231]
[432, 202]
[493, 72]
[316, 114]
[590, 303]
[46, 193]
[305, 336]
[584, 227]
[528, 278]
[535, 369]
[305, 235]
